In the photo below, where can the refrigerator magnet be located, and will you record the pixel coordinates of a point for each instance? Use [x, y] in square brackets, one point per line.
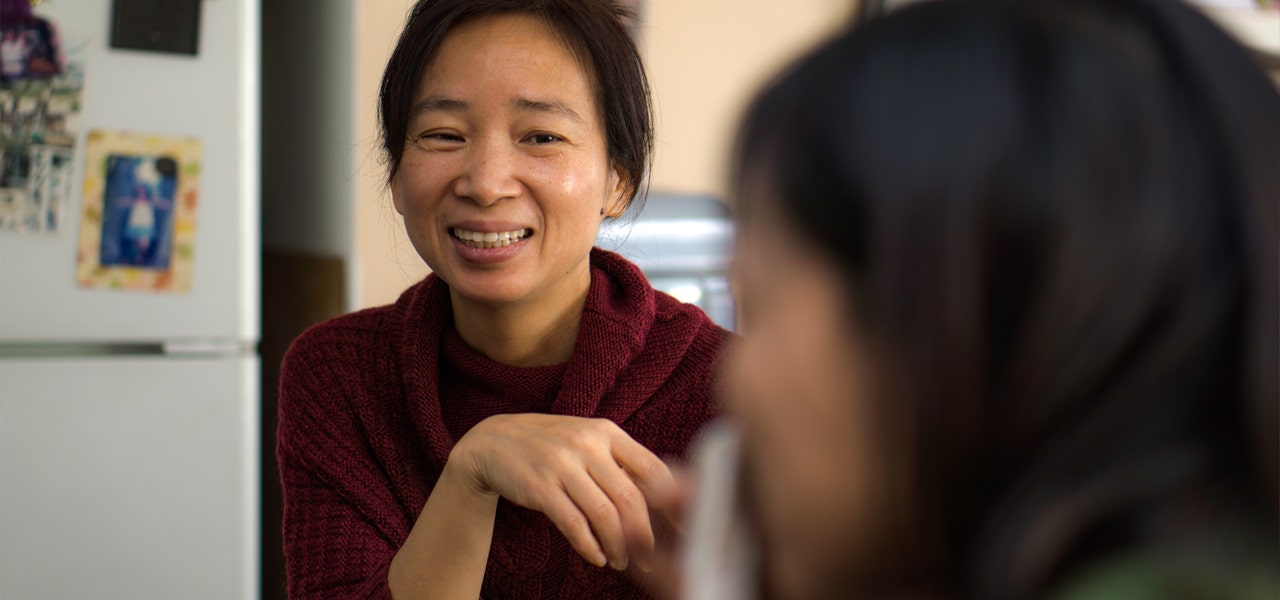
[138, 228]
[41, 85]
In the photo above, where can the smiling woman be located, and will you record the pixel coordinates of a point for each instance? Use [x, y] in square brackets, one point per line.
[497, 431]
[504, 109]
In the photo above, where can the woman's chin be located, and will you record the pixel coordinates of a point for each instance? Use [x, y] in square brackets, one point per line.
[489, 291]
[501, 282]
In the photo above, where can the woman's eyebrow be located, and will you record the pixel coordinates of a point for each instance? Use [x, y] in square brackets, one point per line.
[549, 106]
[444, 104]
[437, 103]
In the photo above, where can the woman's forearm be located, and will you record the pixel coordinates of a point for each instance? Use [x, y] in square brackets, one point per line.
[445, 555]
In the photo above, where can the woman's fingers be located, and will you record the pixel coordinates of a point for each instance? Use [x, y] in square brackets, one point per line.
[646, 482]
[628, 502]
[647, 470]
[575, 527]
[612, 494]
[602, 514]
[674, 504]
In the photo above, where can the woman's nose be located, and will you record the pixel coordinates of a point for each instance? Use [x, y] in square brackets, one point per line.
[489, 173]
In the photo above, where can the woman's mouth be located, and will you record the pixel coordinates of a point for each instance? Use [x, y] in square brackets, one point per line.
[489, 240]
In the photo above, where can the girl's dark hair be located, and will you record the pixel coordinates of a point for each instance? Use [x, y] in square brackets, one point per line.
[594, 30]
[1058, 225]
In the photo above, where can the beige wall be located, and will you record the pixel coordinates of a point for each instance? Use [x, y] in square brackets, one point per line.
[705, 59]
[385, 261]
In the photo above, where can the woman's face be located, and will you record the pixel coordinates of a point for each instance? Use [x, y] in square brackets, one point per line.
[505, 173]
[797, 383]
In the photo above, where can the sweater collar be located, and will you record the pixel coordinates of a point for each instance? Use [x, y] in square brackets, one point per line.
[616, 318]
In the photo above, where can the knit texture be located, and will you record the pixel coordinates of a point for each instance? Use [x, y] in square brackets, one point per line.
[365, 428]
[477, 386]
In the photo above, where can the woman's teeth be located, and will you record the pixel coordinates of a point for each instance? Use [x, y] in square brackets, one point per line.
[477, 239]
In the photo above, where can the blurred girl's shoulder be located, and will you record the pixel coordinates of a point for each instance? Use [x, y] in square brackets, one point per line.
[1246, 574]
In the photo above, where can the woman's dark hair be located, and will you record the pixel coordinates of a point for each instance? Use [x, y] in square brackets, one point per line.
[594, 30]
[1057, 221]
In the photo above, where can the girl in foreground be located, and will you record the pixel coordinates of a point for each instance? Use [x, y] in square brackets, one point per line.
[1009, 281]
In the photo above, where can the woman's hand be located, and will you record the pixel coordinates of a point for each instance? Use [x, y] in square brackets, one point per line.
[587, 475]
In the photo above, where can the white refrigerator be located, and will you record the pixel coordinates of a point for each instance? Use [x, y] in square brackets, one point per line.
[129, 420]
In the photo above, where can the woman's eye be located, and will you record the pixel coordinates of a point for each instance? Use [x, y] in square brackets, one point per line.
[544, 138]
[439, 136]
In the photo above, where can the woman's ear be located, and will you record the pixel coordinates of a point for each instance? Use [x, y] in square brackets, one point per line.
[618, 198]
[395, 195]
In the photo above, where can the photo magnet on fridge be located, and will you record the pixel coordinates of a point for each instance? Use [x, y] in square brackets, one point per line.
[140, 196]
[41, 82]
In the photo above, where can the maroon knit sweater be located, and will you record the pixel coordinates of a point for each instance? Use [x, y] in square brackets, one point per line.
[372, 402]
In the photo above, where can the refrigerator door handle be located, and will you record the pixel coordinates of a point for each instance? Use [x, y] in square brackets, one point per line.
[183, 348]
[72, 349]
[208, 348]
